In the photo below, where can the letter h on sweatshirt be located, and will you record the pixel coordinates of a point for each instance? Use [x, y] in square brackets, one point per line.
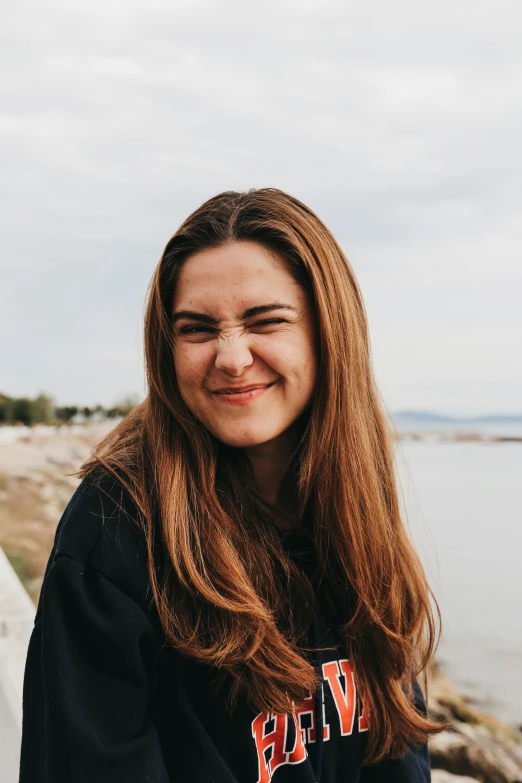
[274, 741]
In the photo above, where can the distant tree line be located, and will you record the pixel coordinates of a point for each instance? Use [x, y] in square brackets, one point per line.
[42, 410]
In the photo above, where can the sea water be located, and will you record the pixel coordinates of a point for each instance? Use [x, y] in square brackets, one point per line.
[463, 506]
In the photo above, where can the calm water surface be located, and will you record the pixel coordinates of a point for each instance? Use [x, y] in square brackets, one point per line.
[463, 502]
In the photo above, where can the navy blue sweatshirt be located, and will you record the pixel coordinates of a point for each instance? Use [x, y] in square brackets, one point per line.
[107, 700]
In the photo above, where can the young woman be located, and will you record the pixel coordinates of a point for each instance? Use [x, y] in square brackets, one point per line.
[232, 596]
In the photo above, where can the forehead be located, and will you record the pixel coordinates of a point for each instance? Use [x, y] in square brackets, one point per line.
[236, 275]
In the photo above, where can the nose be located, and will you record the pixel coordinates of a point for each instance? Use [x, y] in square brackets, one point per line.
[233, 354]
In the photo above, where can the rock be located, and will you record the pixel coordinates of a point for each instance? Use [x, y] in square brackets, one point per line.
[470, 751]
[445, 703]
[441, 776]
[448, 750]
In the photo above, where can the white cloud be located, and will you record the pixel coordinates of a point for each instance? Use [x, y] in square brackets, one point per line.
[399, 123]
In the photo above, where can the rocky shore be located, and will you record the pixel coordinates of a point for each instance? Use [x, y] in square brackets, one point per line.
[477, 746]
[35, 486]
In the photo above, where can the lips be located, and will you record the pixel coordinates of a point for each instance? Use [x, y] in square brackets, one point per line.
[241, 389]
[241, 395]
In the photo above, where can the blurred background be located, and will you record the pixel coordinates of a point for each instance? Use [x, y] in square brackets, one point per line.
[400, 124]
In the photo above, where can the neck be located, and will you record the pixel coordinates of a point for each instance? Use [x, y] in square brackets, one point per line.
[270, 462]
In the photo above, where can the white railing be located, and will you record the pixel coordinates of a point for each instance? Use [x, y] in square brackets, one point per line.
[17, 613]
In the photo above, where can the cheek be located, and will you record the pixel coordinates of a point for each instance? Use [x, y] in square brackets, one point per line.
[308, 377]
[307, 367]
[310, 352]
[191, 364]
[294, 359]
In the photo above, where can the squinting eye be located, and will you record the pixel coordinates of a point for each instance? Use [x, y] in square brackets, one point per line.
[194, 329]
[270, 321]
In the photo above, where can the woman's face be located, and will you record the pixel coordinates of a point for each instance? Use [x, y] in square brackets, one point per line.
[244, 343]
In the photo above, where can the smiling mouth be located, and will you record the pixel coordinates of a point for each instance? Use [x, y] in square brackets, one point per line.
[242, 395]
[241, 389]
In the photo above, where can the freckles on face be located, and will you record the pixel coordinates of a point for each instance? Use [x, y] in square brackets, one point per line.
[244, 343]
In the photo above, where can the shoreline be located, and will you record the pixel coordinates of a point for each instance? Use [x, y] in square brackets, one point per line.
[20, 433]
[433, 436]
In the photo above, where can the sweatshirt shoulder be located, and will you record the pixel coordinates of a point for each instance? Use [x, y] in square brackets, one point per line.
[99, 528]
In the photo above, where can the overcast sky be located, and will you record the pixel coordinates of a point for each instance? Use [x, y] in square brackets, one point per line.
[399, 123]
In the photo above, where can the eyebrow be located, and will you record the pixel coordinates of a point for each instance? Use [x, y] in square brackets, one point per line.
[250, 312]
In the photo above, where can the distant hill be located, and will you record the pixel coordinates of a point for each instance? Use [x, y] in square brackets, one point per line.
[429, 417]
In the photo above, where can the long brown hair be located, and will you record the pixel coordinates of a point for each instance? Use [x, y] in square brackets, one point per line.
[226, 589]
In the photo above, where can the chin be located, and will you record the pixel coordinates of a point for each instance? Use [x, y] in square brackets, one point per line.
[244, 440]
[241, 441]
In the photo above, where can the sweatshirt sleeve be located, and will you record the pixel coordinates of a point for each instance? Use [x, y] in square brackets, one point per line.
[413, 767]
[87, 683]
